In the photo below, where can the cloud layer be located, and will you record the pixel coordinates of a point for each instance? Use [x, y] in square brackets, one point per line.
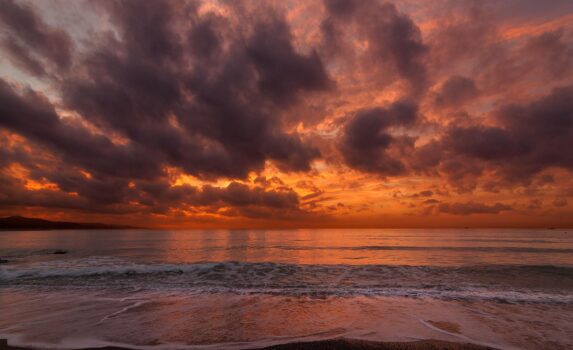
[321, 113]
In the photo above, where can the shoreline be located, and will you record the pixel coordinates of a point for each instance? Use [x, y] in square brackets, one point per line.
[329, 344]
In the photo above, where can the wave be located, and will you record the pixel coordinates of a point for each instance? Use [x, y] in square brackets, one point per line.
[80, 270]
[503, 283]
[114, 266]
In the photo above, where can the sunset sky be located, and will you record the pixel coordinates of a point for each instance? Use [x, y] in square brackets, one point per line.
[229, 114]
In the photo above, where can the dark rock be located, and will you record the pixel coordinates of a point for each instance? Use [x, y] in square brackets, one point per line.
[61, 252]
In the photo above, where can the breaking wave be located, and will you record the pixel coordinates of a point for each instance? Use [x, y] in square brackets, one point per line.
[503, 283]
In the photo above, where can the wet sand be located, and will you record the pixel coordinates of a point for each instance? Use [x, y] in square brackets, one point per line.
[338, 344]
[353, 344]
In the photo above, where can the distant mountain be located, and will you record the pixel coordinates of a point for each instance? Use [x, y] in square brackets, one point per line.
[22, 223]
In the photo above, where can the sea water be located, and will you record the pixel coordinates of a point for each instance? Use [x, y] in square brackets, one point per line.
[510, 289]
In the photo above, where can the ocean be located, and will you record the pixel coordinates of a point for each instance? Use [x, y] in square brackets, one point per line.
[240, 289]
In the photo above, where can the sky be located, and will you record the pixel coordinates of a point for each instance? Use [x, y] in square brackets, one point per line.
[284, 114]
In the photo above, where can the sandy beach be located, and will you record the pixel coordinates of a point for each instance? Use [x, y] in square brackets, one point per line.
[354, 344]
[337, 344]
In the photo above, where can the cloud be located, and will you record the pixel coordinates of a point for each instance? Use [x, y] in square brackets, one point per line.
[470, 208]
[212, 120]
[200, 96]
[20, 57]
[482, 142]
[464, 31]
[425, 193]
[282, 71]
[394, 40]
[455, 92]
[234, 199]
[553, 47]
[30, 42]
[527, 139]
[239, 109]
[366, 140]
[135, 19]
[32, 116]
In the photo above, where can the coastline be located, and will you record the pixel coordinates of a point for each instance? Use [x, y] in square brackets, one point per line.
[330, 344]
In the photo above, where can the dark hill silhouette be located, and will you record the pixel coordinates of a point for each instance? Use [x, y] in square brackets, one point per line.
[23, 223]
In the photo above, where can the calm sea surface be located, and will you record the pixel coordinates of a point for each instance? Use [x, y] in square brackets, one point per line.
[512, 289]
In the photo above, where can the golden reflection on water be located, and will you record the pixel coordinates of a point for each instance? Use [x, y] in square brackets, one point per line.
[357, 247]
[327, 246]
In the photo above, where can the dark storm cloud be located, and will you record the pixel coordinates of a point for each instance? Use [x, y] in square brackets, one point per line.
[342, 8]
[545, 58]
[21, 58]
[529, 138]
[553, 48]
[150, 90]
[191, 92]
[479, 39]
[32, 116]
[14, 194]
[235, 194]
[76, 191]
[211, 115]
[455, 92]
[282, 71]
[470, 208]
[96, 189]
[146, 28]
[234, 200]
[23, 26]
[542, 131]
[482, 142]
[466, 29]
[366, 139]
[238, 195]
[394, 40]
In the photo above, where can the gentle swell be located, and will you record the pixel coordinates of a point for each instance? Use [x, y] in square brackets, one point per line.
[111, 266]
[437, 248]
[503, 283]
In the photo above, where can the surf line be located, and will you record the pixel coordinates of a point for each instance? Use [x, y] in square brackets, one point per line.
[127, 308]
[463, 337]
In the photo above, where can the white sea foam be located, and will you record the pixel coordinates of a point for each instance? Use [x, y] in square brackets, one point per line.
[458, 283]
